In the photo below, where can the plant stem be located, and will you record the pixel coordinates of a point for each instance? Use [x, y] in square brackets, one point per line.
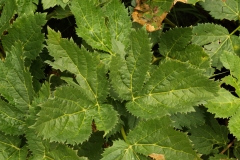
[124, 134]
[170, 23]
[235, 30]
[229, 145]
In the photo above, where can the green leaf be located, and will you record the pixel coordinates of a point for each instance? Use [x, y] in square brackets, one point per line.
[11, 119]
[194, 55]
[93, 147]
[48, 4]
[192, 119]
[233, 125]
[152, 137]
[219, 156]
[209, 137]
[10, 148]
[222, 9]
[7, 14]
[215, 39]
[54, 151]
[127, 77]
[37, 71]
[89, 72]
[118, 22]
[27, 29]
[178, 47]
[60, 13]
[75, 107]
[26, 6]
[98, 26]
[170, 43]
[224, 105]
[194, 1]
[171, 88]
[91, 24]
[15, 79]
[231, 62]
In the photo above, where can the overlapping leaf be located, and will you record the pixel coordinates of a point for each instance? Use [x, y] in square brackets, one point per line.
[54, 151]
[225, 104]
[98, 26]
[16, 80]
[222, 9]
[209, 137]
[93, 147]
[10, 148]
[7, 14]
[192, 119]
[27, 29]
[26, 6]
[68, 116]
[215, 40]
[152, 137]
[11, 119]
[173, 87]
[178, 47]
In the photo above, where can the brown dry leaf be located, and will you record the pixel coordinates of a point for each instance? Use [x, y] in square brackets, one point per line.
[157, 156]
[149, 16]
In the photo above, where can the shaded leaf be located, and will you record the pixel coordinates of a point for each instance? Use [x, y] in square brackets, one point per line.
[209, 137]
[192, 119]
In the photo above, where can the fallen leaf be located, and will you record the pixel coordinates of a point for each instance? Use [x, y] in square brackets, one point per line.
[145, 14]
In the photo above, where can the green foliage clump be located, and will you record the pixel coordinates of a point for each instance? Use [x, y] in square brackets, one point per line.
[80, 80]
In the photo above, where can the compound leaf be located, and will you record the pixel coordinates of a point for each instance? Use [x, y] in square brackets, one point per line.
[171, 88]
[152, 137]
[74, 107]
[222, 9]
